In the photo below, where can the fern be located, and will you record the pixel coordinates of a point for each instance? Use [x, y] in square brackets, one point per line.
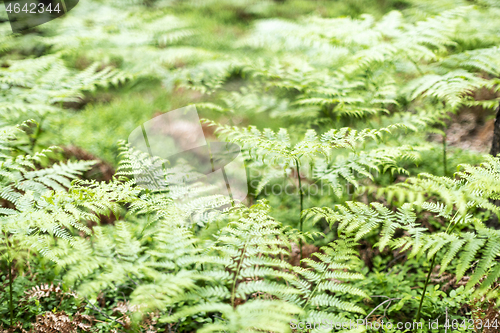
[325, 283]
[343, 101]
[460, 248]
[35, 86]
[473, 189]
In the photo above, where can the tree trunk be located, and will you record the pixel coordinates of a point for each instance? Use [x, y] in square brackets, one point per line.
[495, 145]
[495, 150]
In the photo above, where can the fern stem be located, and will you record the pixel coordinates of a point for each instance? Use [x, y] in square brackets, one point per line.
[445, 161]
[448, 231]
[36, 134]
[425, 289]
[250, 194]
[417, 66]
[301, 194]
[93, 307]
[315, 287]
[11, 303]
[237, 273]
[312, 293]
